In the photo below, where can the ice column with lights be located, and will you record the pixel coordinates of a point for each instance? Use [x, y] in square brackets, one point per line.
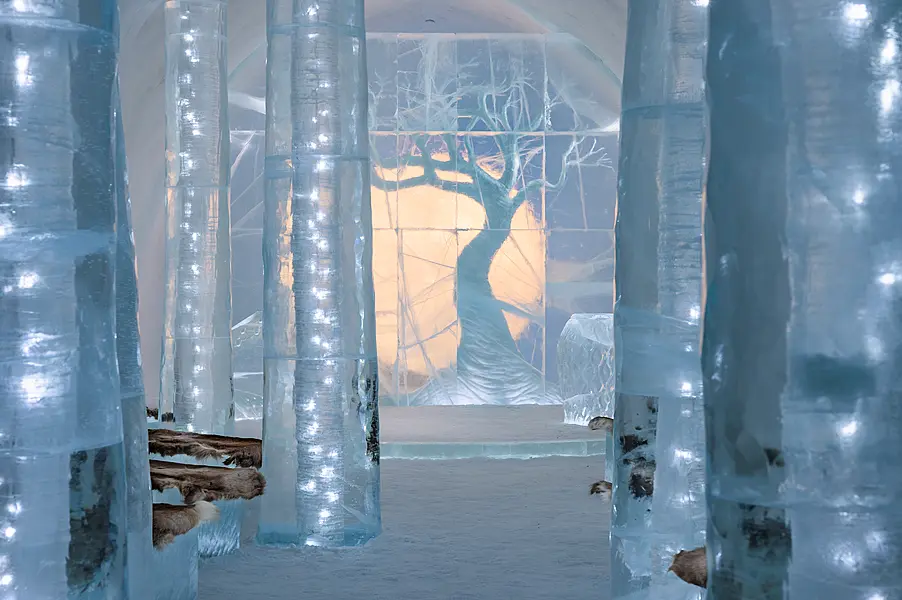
[131, 385]
[658, 455]
[62, 479]
[197, 349]
[803, 331]
[320, 420]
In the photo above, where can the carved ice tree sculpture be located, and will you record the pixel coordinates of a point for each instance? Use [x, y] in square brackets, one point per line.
[197, 353]
[658, 458]
[479, 139]
[321, 419]
[62, 472]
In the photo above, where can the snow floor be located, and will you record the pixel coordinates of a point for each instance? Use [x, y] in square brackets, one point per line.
[474, 529]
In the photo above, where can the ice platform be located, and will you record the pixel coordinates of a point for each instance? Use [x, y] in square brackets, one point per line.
[475, 431]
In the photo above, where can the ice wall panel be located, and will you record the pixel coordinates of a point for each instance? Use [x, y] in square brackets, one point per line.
[502, 186]
[581, 88]
[582, 176]
[428, 85]
[502, 82]
[429, 330]
[490, 365]
[426, 176]
[384, 183]
[382, 77]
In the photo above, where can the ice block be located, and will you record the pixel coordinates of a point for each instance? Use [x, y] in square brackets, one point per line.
[176, 566]
[585, 359]
[215, 538]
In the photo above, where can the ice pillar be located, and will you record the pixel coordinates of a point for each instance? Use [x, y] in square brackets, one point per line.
[131, 386]
[62, 479]
[320, 421]
[658, 455]
[803, 327]
[197, 349]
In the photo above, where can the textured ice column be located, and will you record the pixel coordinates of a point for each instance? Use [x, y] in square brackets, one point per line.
[658, 454]
[803, 331]
[176, 566]
[320, 420]
[585, 358]
[745, 352]
[131, 386]
[62, 480]
[197, 356]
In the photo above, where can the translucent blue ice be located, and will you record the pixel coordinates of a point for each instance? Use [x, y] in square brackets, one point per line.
[196, 368]
[803, 328]
[585, 366]
[176, 569]
[321, 417]
[658, 454]
[131, 387]
[62, 471]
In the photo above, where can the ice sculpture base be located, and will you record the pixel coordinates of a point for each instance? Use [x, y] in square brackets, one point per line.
[176, 569]
[582, 408]
[284, 537]
[216, 538]
[460, 432]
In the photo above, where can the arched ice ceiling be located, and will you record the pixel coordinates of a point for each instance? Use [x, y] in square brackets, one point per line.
[599, 24]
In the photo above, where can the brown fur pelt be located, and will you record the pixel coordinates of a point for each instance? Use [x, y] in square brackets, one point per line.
[603, 423]
[691, 566]
[200, 482]
[241, 452]
[171, 520]
[154, 413]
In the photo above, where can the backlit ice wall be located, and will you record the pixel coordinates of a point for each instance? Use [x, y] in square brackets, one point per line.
[492, 158]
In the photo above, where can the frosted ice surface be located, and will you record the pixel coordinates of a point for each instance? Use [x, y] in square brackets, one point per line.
[247, 362]
[585, 359]
[176, 568]
[215, 538]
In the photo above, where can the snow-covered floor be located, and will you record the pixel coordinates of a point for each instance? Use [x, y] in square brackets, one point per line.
[476, 529]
